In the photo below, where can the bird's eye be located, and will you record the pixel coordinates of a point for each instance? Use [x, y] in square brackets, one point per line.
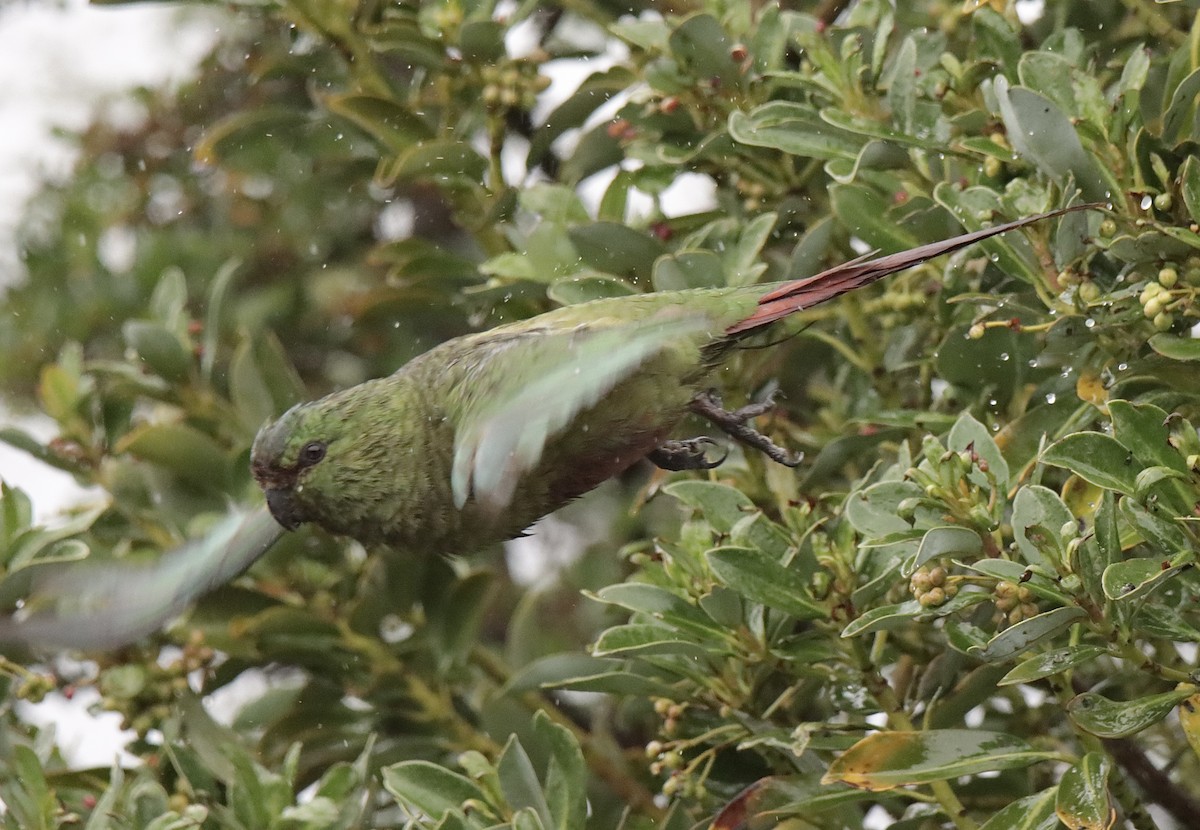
[311, 453]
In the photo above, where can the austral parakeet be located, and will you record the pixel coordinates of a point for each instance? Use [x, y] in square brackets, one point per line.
[473, 441]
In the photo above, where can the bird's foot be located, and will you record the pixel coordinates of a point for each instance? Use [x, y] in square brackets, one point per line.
[734, 423]
[688, 454]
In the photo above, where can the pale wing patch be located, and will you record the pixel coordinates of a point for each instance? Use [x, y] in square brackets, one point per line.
[555, 376]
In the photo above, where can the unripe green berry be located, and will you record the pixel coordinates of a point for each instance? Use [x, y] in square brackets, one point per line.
[1153, 307]
[1108, 228]
[1089, 292]
[976, 331]
[1167, 277]
[1164, 320]
[1163, 201]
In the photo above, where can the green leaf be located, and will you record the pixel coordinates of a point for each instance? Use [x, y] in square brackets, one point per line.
[760, 578]
[949, 540]
[1011, 253]
[593, 93]
[262, 381]
[1181, 111]
[566, 775]
[1159, 532]
[482, 40]
[620, 682]
[873, 511]
[1083, 797]
[1096, 458]
[688, 269]
[702, 47]
[159, 349]
[460, 617]
[721, 505]
[584, 288]
[998, 361]
[1043, 134]
[617, 249]
[1051, 75]
[864, 212]
[555, 668]
[429, 788]
[1033, 812]
[796, 129]
[395, 127]
[29, 799]
[1106, 718]
[658, 603]
[1142, 429]
[969, 433]
[1175, 347]
[1189, 188]
[519, 781]
[1134, 578]
[248, 139]
[636, 638]
[887, 760]
[16, 513]
[1037, 520]
[442, 160]
[1052, 662]
[189, 453]
[1027, 633]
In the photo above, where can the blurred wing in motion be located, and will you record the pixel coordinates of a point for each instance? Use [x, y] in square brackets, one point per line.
[106, 604]
[537, 384]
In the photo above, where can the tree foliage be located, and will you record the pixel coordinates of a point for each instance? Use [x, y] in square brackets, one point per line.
[974, 605]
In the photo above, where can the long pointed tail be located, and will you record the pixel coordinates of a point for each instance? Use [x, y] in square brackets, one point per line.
[810, 291]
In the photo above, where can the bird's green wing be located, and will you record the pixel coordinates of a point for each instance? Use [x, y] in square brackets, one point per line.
[105, 604]
[531, 385]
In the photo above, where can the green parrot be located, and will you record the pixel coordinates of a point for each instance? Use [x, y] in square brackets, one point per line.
[473, 441]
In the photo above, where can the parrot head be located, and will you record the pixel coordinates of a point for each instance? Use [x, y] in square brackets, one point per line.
[285, 455]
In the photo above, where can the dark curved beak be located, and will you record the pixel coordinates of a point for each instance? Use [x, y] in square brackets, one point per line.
[282, 504]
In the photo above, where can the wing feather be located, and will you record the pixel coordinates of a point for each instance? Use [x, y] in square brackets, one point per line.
[542, 383]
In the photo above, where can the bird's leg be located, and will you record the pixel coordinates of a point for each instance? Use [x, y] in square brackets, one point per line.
[687, 454]
[708, 405]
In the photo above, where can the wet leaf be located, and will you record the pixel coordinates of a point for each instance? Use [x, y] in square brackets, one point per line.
[721, 505]
[1042, 133]
[189, 453]
[1134, 578]
[1121, 718]
[1096, 458]
[430, 788]
[633, 639]
[1084, 802]
[887, 760]
[1038, 518]
[944, 541]
[1052, 662]
[1028, 632]
[1033, 812]
[760, 578]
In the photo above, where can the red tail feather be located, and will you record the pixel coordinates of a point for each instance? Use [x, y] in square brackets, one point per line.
[810, 291]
